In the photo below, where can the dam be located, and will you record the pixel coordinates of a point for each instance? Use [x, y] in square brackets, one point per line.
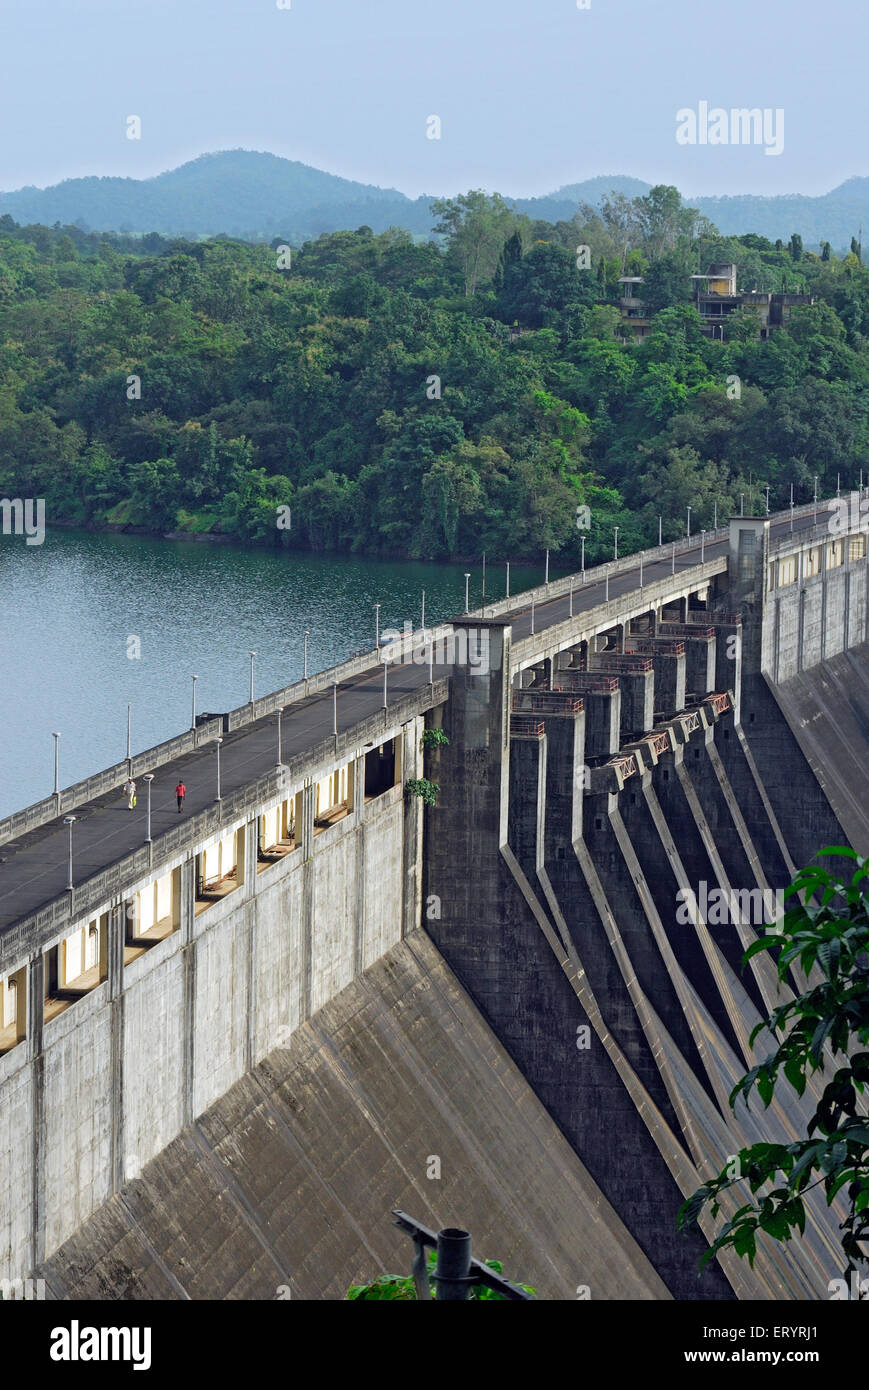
[232, 1041]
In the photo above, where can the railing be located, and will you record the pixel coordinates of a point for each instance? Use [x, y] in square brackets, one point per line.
[623, 661]
[668, 646]
[547, 701]
[720, 703]
[526, 726]
[588, 681]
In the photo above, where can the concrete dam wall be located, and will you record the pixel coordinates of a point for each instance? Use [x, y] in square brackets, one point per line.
[637, 762]
[283, 1188]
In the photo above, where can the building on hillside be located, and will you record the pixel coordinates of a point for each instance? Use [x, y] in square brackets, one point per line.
[716, 297]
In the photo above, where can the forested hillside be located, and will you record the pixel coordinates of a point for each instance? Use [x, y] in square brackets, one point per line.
[435, 399]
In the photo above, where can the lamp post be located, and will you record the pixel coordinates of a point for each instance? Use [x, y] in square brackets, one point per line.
[335, 708]
[422, 617]
[467, 587]
[193, 706]
[616, 543]
[149, 777]
[532, 615]
[385, 674]
[582, 560]
[742, 504]
[688, 533]
[431, 661]
[702, 546]
[546, 577]
[507, 595]
[483, 594]
[70, 821]
[252, 655]
[715, 514]
[792, 506]
[129, 733]
[816, 497]
[280, 750]
[217, 743]
[571, 596]
[767, 499]
[377, 627]
[673, 564]
[56, 738]
[660, 530]
[305, 668]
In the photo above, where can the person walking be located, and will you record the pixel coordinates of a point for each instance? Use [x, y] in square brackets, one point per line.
[180, 792]
[130, 793]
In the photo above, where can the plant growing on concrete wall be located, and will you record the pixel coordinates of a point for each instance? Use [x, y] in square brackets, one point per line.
[433, 738]
[829, 932]
[422, 787]
[396, 1288]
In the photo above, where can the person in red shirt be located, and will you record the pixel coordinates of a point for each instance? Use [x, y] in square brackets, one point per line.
[180, 792]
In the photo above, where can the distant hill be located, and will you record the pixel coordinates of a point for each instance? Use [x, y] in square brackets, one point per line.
[255, 195]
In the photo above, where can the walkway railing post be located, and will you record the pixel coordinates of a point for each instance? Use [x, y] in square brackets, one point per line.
[280, 750]
[56, 738]
[70, 821]
[217, 743]
[149, 777]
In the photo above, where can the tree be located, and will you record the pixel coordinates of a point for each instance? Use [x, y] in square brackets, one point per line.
[476, 227]
[827, 936]
[795, 246]
[826, 250]
[856, 248]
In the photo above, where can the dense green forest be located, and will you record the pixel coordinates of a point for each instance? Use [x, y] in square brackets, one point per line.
[430, 398]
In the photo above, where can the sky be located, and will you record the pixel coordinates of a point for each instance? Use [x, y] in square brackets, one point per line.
[531, 94]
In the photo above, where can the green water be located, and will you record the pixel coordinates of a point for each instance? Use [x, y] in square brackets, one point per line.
[76, 610]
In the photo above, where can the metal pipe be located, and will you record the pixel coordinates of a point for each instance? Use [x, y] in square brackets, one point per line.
[453, 1268]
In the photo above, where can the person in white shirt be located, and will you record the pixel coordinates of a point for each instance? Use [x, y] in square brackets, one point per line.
[130, 792]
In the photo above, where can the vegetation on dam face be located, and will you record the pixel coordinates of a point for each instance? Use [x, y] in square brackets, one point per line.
[476, 392]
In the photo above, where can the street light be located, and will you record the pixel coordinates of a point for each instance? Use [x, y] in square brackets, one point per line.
[546, 579]
[149, 777]
[715, 514]
[335, 708]
[252, 655]
[422, 618]
[129, 733]
[280, 758]
[742, 504]
[385, 673]
[582, 560]
[816, 496]
[193, 710]
[689, 524]
[217, 743]
[377, 627]
[467, 600]
[507, 595]
[56, 738]
[616, 543]
[702, 546]
[70, 821]
[660, 530]
[767, 499]
[792, 506]
[307, 635]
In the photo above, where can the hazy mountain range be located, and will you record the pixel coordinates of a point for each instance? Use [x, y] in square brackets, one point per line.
[259, 196]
